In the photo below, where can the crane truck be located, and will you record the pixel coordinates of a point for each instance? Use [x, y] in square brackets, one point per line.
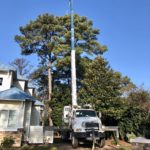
[81, 124]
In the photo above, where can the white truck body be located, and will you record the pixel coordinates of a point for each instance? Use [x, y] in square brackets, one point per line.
[84, 125]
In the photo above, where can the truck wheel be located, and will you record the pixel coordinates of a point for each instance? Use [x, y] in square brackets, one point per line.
[101, 143]
[74, 142]
[64, 136]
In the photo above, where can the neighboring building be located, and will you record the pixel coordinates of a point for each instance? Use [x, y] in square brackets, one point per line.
[18, 108]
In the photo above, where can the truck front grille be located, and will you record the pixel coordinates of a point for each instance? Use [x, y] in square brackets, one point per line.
[91, 125]
[90, 134]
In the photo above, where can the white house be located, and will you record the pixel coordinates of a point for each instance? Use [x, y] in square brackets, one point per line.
[18, 108]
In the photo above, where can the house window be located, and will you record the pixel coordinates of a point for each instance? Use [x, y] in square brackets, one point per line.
[3, 118]
[12, 119]
[1, 81]
[8, 118]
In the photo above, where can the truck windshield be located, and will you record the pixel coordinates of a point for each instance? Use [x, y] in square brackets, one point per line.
[85, 113]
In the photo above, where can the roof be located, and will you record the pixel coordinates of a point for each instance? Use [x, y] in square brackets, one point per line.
[15, 94]
[4, 67]
[38, 103]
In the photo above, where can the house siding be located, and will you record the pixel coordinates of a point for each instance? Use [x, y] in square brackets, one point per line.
[9, 105]
[27, 119]
[35, 116]
[20, 84]
[7, 80]
[17, 106]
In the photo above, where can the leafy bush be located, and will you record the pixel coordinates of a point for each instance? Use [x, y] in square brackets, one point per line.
[147, 134]
[131, 122]
[147, 128]
[7, 142]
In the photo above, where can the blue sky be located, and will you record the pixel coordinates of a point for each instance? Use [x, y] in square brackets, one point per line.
[124, 26]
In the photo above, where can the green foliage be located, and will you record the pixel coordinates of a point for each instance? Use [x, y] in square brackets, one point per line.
[7, 142]
[101, 87]
[42, 36]
[136, 116]
[85, 35]
[131, 121]
[61, 97]
[49, 37]
[146, 127]
[140, 98]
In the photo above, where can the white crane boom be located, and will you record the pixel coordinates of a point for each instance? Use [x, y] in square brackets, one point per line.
[73, 59]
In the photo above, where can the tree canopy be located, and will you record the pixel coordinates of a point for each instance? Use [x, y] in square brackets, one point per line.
[49, 37]
[101, 86]
[107, 90]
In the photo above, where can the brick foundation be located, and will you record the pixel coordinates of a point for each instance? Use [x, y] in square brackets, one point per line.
[16, 135]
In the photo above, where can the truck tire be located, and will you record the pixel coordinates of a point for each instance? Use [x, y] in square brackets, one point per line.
[64, 136]
[101, 143]
[74, 141]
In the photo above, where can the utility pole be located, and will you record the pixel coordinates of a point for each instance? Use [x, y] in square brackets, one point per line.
[73, 59]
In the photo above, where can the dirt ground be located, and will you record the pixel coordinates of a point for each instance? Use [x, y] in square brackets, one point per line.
[61, 145]
[109, 146]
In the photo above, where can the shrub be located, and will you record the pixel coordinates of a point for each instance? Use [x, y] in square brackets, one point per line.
[147, 133]
[7, 142]
[131, 122]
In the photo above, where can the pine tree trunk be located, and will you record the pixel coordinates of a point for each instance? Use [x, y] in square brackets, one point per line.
[49, 91]
[49, 81]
